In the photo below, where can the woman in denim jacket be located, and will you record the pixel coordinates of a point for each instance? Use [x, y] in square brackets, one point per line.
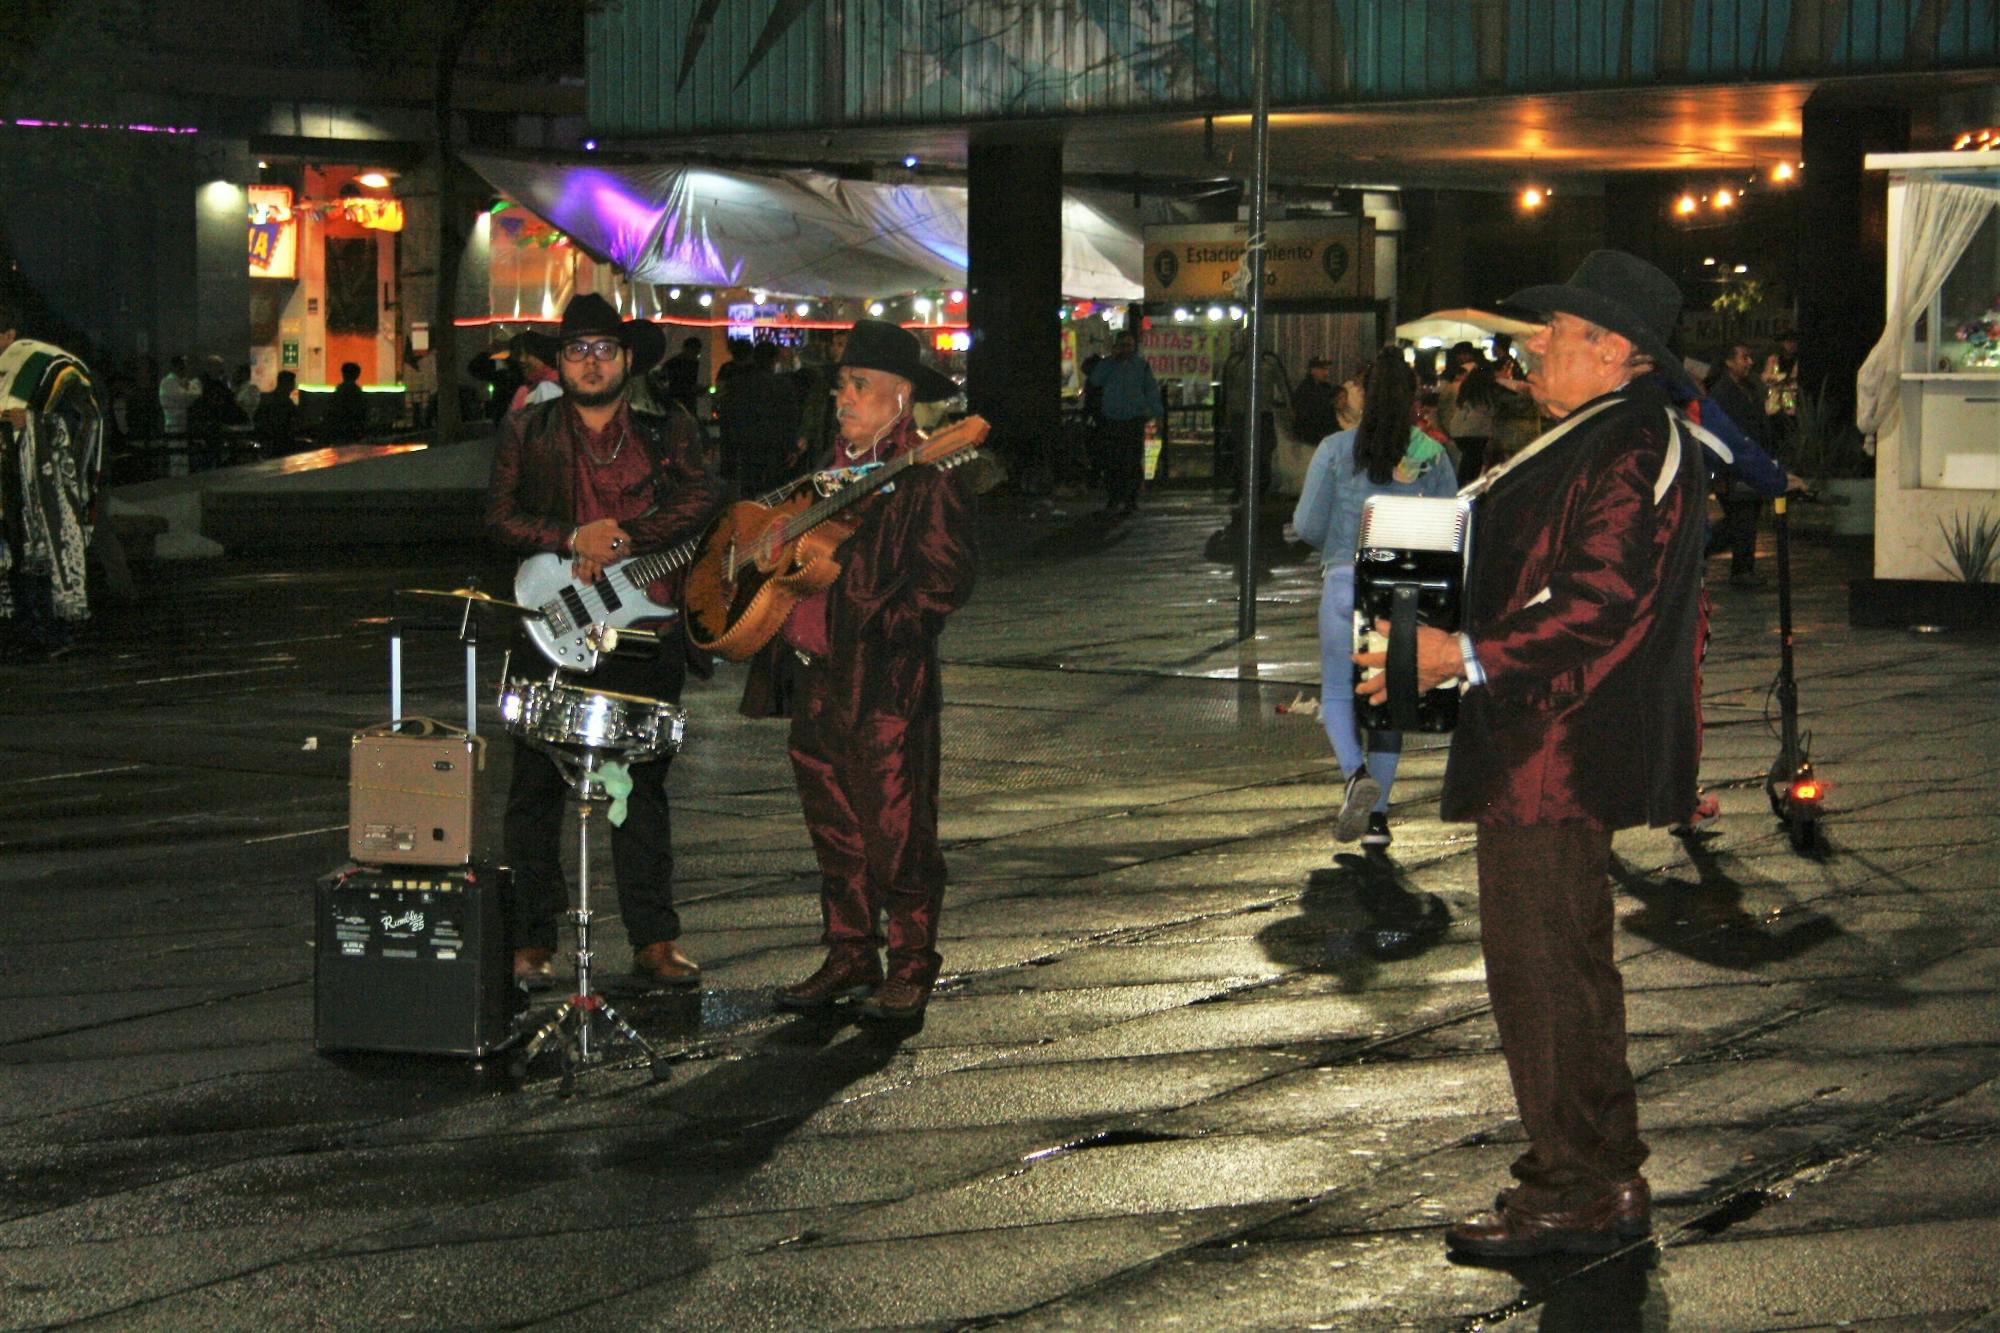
[1386, 454]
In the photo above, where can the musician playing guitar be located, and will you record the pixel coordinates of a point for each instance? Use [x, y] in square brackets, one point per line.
[592, 480]
[855, 667]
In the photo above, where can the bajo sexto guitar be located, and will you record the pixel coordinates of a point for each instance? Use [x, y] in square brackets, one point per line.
[569, 610]
[758, 561]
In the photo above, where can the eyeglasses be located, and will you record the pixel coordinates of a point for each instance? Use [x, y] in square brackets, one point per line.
[602, 349]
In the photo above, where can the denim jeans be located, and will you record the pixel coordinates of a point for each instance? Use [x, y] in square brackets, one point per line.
[1384, 749]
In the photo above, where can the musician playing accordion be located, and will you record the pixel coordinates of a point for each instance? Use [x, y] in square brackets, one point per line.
[1579, 633]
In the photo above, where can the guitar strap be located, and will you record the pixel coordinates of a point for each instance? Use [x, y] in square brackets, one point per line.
[834, 479]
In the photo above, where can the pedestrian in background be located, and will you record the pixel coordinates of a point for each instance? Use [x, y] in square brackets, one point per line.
[245, 391]
[1471, 422]
[178, 391]
[1386, 454]
[1736, 390]
[347, 414]
[1131, 398]
[534, 358]
[1313, 414]
[277, 421]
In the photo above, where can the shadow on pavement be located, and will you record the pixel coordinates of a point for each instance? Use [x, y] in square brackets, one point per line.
[1358, 912]
[1706, 921]
[1620, 1293]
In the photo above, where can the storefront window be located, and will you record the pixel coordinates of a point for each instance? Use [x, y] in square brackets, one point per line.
[1965, 322]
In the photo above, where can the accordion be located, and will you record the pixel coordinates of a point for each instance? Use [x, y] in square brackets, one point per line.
[1409, 570]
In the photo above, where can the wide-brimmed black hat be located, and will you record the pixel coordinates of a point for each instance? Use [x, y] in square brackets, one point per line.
[1619, 292]
[876, 344]
[543, 345]
[591, 316]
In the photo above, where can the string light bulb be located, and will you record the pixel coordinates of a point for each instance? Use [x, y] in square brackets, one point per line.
[1725, 198]
[1533, 197]
[1781, 173]
[1686, 205]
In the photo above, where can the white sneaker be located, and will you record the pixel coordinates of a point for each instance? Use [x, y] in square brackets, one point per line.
[1362, 793]
[1378, 834]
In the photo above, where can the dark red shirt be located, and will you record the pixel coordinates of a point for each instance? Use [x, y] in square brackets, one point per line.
[609, 471]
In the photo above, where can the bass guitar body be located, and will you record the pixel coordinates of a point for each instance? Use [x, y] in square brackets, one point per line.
[745, 583]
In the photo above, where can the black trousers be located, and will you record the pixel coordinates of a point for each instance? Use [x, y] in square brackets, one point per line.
[1545, 927]
[642, 848]
[1738, 529]
[1124, 444]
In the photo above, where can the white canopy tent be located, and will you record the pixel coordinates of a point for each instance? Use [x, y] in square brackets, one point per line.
[1462, 325]
[792, 233]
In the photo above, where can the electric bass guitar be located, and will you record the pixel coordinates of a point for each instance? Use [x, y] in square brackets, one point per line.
[571, 615]
[759, 560]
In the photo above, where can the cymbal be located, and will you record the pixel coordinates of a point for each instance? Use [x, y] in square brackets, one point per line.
[469, 595]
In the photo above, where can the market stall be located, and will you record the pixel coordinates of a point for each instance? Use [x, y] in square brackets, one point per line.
[1929, 393]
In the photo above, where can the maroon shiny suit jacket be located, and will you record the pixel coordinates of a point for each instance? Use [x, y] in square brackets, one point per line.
[908, 565]
[529, 507]
[1581, 600]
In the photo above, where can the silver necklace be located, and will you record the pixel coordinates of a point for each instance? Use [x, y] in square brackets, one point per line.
[591, 454]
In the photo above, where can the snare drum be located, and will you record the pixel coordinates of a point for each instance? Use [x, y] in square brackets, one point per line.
[633, 727]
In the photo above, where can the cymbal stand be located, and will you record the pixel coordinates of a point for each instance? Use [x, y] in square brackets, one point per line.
[573, 1018]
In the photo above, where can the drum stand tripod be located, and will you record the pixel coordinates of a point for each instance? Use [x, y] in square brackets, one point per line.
[572, 1020]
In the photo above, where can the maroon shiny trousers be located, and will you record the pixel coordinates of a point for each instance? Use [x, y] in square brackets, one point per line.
[870, 794]
[1545, 926]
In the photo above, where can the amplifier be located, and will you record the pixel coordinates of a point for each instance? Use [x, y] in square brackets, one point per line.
[413, 960]
[410, 799]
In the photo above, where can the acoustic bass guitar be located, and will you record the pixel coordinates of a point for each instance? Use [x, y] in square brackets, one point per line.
[759, 560]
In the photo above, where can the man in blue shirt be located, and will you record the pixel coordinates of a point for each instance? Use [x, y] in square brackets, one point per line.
[1131, 398]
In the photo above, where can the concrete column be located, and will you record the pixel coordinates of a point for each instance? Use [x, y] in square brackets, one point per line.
[1014, 288]
[221, 325]
[1843, 241]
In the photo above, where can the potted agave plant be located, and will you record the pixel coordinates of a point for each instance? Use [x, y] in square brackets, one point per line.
[1969, 599]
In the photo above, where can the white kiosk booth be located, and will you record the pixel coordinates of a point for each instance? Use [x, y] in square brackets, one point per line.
[1930, 390]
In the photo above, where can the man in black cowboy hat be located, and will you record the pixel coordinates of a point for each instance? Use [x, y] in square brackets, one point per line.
[1579, 643]
[856, 670]
[590, 479]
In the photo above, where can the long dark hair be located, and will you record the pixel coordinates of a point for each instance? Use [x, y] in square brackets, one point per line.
[1387, 414]
[1481, 389]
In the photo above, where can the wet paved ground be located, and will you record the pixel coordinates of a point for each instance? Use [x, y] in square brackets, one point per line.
[1161, 1087]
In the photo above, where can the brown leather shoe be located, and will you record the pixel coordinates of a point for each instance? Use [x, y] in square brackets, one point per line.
[663, 964]
[533, 970]
[1519, 1233]
[1632, 1204]
[898, 1000]
[847, 974]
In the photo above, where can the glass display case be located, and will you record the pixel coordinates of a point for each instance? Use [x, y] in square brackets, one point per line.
[1951, 407]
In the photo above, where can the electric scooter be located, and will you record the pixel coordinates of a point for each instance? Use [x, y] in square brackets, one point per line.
[1797, 796]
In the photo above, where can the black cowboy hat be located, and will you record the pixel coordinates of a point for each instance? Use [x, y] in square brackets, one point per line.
[591, 316]
[1619, 292]
[543, 345]
[876, 344]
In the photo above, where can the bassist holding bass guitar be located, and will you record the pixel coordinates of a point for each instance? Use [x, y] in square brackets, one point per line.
[593, 482]
[855, 667]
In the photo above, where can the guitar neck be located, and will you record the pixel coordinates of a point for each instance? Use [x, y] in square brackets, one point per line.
[820, 511]
[643, 569]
